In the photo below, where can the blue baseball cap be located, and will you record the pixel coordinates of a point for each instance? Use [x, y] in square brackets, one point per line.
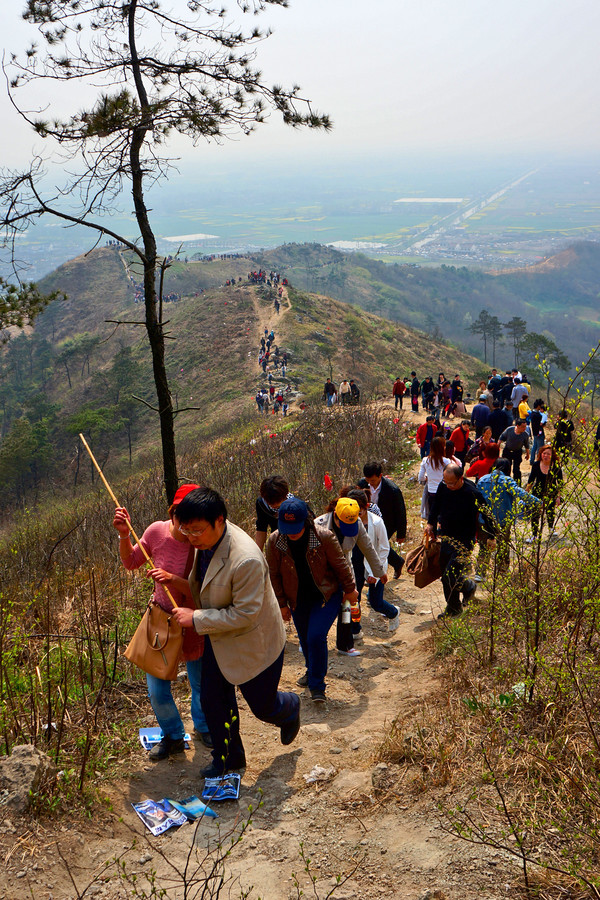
[292, 516]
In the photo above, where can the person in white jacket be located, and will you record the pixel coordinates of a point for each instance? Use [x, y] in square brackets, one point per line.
[376, 530]
[431, 473]
[344, 521]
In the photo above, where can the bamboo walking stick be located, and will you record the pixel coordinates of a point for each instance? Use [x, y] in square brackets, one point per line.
[116, 502]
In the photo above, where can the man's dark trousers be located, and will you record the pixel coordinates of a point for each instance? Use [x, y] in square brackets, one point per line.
[217, 696]
[453, 563]
[515, 457]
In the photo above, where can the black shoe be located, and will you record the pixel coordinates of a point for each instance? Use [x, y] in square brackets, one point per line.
[167, 747]
[218, 769]
[469, 590]
[398, 571]
[450, 614]
[318, 696]
[289, 731]
[204, 737]
[302, 681]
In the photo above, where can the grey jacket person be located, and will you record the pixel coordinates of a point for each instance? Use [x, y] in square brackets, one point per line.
[362, 541]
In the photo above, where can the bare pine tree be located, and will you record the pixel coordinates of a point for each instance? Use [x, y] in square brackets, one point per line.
[151, 70]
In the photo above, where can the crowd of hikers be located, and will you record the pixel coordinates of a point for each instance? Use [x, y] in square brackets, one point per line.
[444, 397]
[273, 396]
[139, 293]
[313, 569]
[234, 593]
[211, 257]
[471, 471]
[271, 279]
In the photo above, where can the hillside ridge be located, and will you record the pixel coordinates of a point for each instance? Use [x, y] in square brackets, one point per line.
[444, 301]
[87, 365]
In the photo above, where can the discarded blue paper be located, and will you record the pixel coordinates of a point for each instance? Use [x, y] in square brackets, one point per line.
[193, 808]
[151, 736]
[225, 788]
[159, 815]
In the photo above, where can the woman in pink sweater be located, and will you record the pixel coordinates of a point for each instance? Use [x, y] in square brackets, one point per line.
[173, 556]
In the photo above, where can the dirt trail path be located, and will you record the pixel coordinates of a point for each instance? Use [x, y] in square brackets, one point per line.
[271, 321]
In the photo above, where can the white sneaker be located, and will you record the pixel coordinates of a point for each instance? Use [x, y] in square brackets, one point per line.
[358, 638]
[352, 652]
[393, 623]
[477, 579]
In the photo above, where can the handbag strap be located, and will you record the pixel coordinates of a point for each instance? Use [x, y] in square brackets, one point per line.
[153, 640]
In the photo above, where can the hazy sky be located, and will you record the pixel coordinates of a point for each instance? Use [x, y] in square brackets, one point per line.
[430, 76]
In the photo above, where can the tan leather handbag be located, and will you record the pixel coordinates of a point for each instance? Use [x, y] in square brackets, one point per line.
[156, 645]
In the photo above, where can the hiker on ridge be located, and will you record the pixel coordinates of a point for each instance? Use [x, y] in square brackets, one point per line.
[415, 388]
[329, 392]
[398, 391]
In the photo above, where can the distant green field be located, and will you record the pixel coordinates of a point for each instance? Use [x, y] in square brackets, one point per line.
[544, 204]
[263, 213]
[300, 226]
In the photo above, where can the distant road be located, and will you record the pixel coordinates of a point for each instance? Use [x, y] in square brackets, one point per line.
[435, 230]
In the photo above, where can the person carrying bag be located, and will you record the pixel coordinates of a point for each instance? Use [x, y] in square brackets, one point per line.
[159, 642]
[424, 562]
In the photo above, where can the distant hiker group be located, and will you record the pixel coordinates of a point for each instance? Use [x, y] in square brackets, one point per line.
[442, 396]
[273, 364]
[448, 398]
[348, 393]
[271, 279]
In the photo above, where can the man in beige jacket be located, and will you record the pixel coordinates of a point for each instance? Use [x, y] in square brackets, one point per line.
[239, 616]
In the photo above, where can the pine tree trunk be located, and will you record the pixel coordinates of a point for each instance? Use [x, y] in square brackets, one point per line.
[153, 324]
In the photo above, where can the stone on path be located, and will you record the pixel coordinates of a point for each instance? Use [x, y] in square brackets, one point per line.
[21, 775]
[316, 728]
[350, 783]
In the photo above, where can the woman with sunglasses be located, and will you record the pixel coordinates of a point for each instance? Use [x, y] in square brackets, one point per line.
[167, 544]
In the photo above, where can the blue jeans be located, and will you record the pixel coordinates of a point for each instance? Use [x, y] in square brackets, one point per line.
[165, 709]
[375, 595]
[377, 602]
[538, 442]
[312, 624]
